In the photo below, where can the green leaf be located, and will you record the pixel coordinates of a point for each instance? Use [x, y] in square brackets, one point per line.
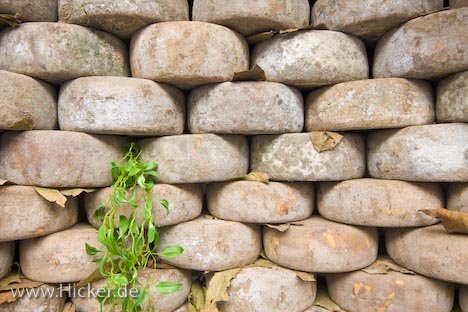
[167, 288]
[147, 210]
[90, 250]
[100, 212]
[171, 252]
[165, 204]
[150, 165]
[152, 232]
[123, 225]
[139, 297]
[119, 279]
[115, 171]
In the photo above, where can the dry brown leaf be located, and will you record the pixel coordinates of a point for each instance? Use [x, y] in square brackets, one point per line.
[283, 227]
[69, 307]
[7, 297]
[279, 227]
[17, 281]
[254, 74]
[305, 276]
[322, 299]
[325, 140]
[10, 279]
[210, 217]
[196, 297]
[256, 176]
[257, 38]
[265, 263]
[76, 191]
[217, 289]
[10, 20]
[453, 221]
[26, 123]
[383, 265]
[93, 277]
[54, 196]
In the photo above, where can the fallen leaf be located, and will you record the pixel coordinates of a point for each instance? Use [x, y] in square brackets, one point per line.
[196, 298]
[256, 176]
[93, 277]
[305, 276]
[254, 74]
[26, 123]
[9, 279]
[54, 196]
[383, 265]
[325, 140]
[217, 289]
[283, 227]
[69, 307]
[7, 297]
[210, 217]
[10, 20]
[17, 281]
[265, 263]
[322, 299]
[76, 191]
[257, 38]
[279, 227]
[453, 221]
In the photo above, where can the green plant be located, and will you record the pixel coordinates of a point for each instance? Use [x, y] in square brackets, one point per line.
[130, 245]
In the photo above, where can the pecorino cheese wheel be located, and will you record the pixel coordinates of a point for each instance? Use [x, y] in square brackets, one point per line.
[458, 4]
[57, 52]
[452, 98]
[430, 251]
[123, 17]
[26, 103]
[188, 54]
[59, 158]
[59, 257]
[253, 17]
[247, 107]
[417, 49]
[379, 203]
[196, 158]
[185, 203]
[319, 245]
[292, 157]
[148, 278]
[391, 292]
[370, 104]
[49, 298]
[369, 19]
[257, 202]
[26, 214]
[212, 245]
[430, 153]
[7, 253]
[312, 58]
[457, 197]
[259, 289]
[31, 11]
[463, 298]
[121, 105]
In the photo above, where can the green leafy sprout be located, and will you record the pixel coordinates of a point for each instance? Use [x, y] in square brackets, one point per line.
[130, 246]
